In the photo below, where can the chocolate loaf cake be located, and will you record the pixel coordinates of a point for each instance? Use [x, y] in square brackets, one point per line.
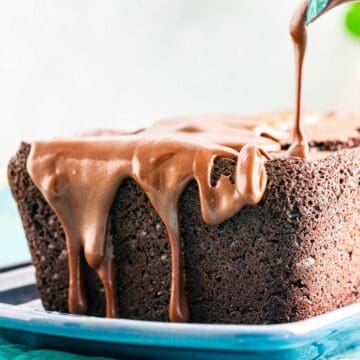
[291, 254]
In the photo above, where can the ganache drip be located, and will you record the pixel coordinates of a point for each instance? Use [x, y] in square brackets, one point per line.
[80, 177]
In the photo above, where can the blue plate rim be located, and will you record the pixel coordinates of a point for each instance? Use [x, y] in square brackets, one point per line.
[167, 335]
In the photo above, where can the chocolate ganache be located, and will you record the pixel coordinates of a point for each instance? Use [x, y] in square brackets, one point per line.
[79, 178]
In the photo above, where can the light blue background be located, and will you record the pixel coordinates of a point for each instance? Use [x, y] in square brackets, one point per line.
[12, 239]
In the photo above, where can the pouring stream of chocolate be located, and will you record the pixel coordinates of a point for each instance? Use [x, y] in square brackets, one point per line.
[80, 177]
[298, 31]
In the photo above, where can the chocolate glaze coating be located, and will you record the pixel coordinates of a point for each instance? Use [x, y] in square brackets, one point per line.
[295, 255]
[79, 178]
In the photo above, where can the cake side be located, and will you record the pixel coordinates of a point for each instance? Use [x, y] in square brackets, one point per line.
[288, 258]
[293, 256]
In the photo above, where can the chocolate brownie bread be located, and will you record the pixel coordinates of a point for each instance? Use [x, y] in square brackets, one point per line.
[292, 253]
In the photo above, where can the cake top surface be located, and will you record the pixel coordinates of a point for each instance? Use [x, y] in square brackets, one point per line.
[318, 127]
[193, 132]
[268, 130]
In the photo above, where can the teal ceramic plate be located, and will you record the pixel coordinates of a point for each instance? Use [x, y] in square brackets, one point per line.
[322, 337]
